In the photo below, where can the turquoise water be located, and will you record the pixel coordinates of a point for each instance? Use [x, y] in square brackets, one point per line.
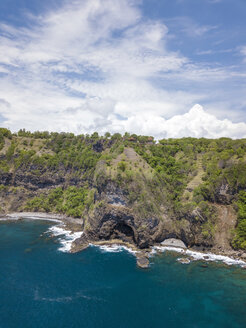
[43, 287]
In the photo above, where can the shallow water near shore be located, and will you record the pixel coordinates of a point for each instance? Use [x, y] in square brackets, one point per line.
[41, 286]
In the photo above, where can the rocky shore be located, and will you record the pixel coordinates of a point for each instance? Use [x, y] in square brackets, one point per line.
[131, 191]
[142, 255]
[69, 222]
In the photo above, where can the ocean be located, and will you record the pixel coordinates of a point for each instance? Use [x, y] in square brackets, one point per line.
[42, 285]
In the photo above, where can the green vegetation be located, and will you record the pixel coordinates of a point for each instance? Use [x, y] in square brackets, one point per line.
[184, 175]
[239, 240]
[70, 201]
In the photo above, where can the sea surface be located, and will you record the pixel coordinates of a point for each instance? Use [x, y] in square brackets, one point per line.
[42, 286]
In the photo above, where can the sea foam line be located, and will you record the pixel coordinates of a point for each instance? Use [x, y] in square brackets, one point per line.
[68, 237]
[10, 217]
[14, 218]
[58, 230]
[196, 256]
[40, 218]
[114, 248]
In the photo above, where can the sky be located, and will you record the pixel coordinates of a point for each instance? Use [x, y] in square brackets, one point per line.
[166, 68]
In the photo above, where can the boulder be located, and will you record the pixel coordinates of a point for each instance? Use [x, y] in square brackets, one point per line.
[143, 261]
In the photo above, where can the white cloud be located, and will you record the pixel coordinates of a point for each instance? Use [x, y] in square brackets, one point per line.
[98, 65]
[243, 52]
[212, 52]
[191, 28]
[195, 123]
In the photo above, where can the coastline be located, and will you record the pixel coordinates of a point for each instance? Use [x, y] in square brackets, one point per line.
[70, 228]
[67, 228]
[71, 223]
[31, 215]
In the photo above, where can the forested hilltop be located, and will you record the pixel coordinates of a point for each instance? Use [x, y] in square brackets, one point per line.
[130, 187]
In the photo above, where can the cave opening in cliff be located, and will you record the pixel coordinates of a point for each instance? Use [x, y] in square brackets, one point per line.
[124, 232]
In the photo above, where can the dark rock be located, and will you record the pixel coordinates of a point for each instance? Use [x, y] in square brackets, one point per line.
[142, 261]
[6, 178]
[98, 146]
[203, 265]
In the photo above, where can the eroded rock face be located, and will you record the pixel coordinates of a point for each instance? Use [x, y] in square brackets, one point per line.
[117, 225]
[112, 222]
[114, 218]
[32, 182]
[223, 195]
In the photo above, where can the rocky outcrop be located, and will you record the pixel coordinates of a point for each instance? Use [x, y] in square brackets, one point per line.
[32, 178]
[131, 203]
[143, 260]
[223, 194]
[115, 217]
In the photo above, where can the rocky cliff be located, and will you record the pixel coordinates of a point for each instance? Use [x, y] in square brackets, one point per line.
[129, 188]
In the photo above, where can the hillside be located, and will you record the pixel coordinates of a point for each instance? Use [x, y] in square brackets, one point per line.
[130, 188]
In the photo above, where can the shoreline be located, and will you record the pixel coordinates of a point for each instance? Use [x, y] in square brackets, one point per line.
[70, 228]
[72, 223]
[31, 216]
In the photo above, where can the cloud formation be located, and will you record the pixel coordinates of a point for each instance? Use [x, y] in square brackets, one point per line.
[100, 66]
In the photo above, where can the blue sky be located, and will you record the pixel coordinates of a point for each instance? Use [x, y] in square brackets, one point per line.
[164, 68]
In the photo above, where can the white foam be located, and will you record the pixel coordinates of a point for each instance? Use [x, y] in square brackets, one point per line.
[40, 218]
[216, 258]
[114, 248]
[57, 230]
[68, 237]
[183, 260]
[10, 217]
[200, 256]
[155, 249]
[63, 299]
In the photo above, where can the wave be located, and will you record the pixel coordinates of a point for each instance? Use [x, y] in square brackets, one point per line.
[31, 216]
[114, 248]
[63, 299]
[40, 218]
[193, 255]
[68, 237]
[196, 256]
[12, 217]
[28, 218]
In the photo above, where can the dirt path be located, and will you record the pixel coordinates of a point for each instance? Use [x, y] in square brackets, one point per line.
[131, 154]
[132, 157]
[195, 182]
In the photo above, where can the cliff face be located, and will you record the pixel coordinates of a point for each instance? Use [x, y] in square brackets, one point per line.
[128, 189]
[113, 217]
[138, 209]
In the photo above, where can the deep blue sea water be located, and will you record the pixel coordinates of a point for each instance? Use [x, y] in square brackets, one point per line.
[43, 287]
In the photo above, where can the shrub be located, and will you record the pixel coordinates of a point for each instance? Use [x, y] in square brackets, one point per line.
[122, 166]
